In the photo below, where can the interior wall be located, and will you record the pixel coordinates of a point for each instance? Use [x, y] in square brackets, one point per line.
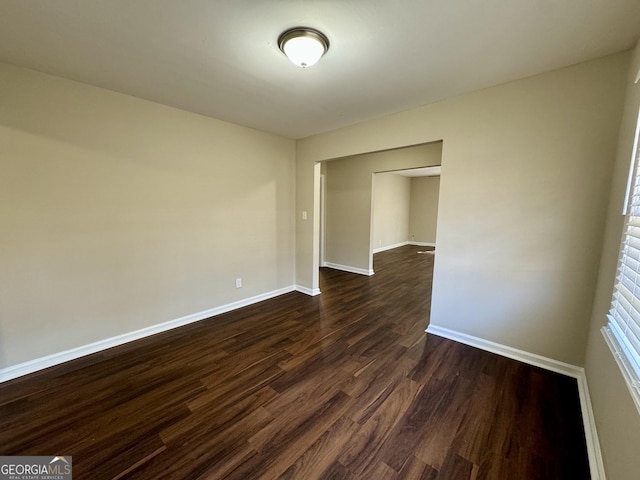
[526, 168]
[349, 200]
[391, 201]
[423, 209]
[117, 214]
[617, 419]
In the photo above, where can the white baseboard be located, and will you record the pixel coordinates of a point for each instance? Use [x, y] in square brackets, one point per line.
[347, 268]
[390, 247]
[596, 464]
[308, 291]
[31, 366]
[505, 351]
[423, 244]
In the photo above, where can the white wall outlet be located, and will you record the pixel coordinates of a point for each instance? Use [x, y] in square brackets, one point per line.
[304, 214]
[379, 242]
[238, 282]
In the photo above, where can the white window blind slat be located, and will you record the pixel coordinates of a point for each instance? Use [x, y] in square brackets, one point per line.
[628, 279]
[633, 334]
[627, 349]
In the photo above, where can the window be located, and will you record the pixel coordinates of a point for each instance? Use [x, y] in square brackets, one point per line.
[622, 332]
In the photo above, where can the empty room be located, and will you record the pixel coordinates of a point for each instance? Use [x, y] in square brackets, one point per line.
[320, 240]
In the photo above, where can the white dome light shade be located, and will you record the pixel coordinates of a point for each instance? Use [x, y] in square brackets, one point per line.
[303, 46]
[303, 51]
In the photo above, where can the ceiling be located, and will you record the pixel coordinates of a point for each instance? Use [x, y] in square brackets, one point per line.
[419, 172]
[220, 57]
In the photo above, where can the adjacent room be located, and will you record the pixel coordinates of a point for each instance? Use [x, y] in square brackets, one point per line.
[367, 210]
[210, 219]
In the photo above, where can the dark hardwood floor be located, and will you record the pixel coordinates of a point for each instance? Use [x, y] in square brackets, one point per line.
[345, 385]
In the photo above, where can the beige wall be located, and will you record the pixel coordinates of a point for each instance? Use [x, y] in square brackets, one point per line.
[617, 419]
[536, 156]
[117, 214]
[423, 210]
[349, 200]
[391, 201]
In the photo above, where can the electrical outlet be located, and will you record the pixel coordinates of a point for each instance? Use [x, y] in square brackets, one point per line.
[379, 242]
[304, 214]
[238, 282]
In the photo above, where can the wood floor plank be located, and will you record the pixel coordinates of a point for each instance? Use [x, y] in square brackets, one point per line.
[456, 468]
[336, 471]
[416, 469]
[363, 453]
[214, 418]
[345, 385]
[282, 444]
[200, 452]
[320, 456]
[374, 387]
[473, 435]
[430, 425]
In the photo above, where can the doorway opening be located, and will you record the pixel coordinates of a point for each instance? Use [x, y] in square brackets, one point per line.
[405, 208]
[356, 221]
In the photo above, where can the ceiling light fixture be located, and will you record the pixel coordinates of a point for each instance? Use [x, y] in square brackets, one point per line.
[303, 46]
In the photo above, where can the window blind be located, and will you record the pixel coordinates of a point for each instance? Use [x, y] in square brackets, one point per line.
[623, 329]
